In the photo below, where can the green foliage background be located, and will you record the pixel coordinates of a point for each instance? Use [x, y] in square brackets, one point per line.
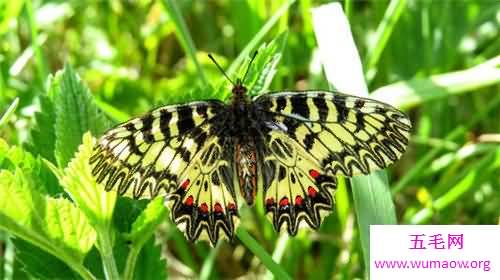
[68, 67]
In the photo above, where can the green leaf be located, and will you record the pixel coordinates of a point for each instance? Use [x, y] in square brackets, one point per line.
[15, 157]
[43, 134]
[262, 71]
[183, 36]
[263, 68]
[261, 253]
[470, 178]
[54, 225]
[92, 199]
[143, 229]
[257, 38]
[145, 225]
[79, 183]
[373, 204]
[38, 263]
[76, 113]
[384, 31]
[150, 264]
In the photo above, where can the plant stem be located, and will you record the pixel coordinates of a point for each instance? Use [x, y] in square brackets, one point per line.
[106, 250]
[131, 262]
[82, 271]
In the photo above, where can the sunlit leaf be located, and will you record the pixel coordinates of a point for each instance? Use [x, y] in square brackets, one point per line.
[79, 183]
[54, 225]
[76, 113]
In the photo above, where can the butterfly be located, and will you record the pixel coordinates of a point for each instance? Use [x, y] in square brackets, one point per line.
[208, 156]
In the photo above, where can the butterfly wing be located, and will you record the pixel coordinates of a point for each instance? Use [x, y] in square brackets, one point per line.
[174, 151]
[204, 204]
[312, 136]
[347, 135]
[297, 191]
[142, 157]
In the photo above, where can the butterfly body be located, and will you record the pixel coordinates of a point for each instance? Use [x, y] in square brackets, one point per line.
[290, 145]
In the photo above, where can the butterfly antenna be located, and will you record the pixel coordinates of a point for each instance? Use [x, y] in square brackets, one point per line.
[220, 68]
[249, 64]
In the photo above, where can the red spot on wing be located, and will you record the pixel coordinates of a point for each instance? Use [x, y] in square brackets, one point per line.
[231, 206]
[298, 200]
[284, 202]
[312, 192]
[185, 184]
[189, 201]
[204, 208]
[218, 208]
[314, 173]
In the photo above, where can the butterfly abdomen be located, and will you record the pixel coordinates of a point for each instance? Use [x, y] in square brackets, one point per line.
[246, 166]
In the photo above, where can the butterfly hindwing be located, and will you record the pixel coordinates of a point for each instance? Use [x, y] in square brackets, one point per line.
[204, 204]
[347, 135]
[142, 157]
[297, 191]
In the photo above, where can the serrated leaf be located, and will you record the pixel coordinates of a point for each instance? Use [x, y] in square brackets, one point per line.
[265, 66]
[79, 183]
[54, 225]
[15, 157]
[262, 70]
[76, 113]
[43, 135]
[92, 199]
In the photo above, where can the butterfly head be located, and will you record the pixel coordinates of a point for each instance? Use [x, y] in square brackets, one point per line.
[239, 89]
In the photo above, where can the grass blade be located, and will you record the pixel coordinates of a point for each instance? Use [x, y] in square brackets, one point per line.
[41, 67]
[384, 31]
[424, 161]
[183, 36]
[472, 177]
[408, 94]
[260, 253]
[9, 112]
[372, 197]
[258, 37]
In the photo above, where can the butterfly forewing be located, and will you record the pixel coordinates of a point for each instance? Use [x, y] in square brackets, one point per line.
[347, 135]
[142, 157]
